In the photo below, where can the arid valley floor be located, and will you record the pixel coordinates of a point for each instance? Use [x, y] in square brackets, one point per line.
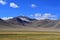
[29, 35]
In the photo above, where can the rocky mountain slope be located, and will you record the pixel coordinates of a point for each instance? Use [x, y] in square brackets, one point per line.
[22, 21]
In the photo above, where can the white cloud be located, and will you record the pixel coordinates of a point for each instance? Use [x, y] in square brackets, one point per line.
[37, 14]
[44, 16]
[6, 18]
[33, 5]
[2, 2]
[13, 5]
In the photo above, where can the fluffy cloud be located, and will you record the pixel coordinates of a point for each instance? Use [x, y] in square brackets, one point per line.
[6, 18]
[33, 5]
[37, 14]
[13, 5]
[44, 16]
[2, 2]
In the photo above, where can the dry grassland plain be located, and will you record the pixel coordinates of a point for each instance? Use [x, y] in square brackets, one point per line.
[29, 35]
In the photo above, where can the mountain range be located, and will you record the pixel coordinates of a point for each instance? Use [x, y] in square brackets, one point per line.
[23, 22]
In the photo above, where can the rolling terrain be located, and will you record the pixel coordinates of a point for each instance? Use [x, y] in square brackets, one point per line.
[26, 23]
[24, 28]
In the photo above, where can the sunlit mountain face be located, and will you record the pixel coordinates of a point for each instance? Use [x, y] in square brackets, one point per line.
[20, 22]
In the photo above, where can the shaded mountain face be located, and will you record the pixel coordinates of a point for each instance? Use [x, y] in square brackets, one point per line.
[4, 24]
[25, 18]
[21, 20]
[28, 22]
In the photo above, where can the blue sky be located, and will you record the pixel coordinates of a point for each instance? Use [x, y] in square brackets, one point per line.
[38, 9]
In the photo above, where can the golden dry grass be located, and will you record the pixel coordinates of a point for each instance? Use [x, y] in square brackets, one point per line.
[29, 35]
